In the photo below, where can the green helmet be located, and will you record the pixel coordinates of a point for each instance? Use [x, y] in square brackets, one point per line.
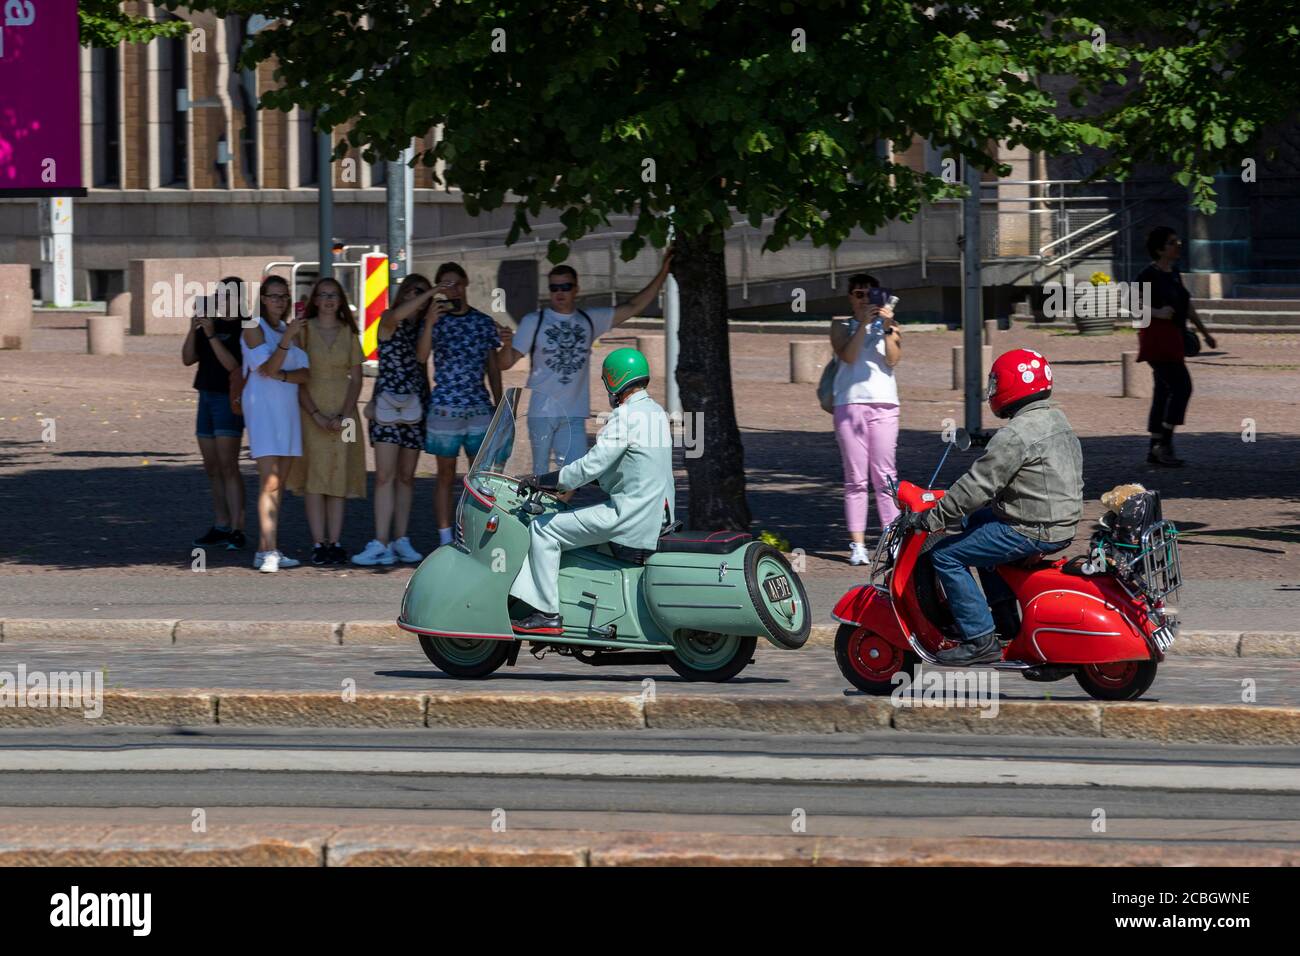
[622, 369]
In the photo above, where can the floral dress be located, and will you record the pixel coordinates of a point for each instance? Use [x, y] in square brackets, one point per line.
[400, 372]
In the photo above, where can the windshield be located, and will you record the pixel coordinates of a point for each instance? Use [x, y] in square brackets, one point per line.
[526, 424]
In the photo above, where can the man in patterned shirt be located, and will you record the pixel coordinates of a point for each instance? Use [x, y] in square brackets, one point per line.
[558, 342]
[464, 343]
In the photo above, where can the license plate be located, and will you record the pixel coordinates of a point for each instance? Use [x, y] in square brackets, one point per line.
[1164, 637]
[777, 588]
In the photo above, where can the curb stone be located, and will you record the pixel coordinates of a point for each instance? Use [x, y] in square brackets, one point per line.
[156, 631]
[307, 845]
[1242, 724]
[259, 632]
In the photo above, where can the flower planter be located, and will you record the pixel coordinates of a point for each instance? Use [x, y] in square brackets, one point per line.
[1102, 308]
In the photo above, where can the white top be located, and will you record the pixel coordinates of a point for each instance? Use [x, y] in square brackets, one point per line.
[270, 405]
[869, 380]
[560, 365]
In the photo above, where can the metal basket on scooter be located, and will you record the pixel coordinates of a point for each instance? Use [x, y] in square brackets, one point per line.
[1142, 546]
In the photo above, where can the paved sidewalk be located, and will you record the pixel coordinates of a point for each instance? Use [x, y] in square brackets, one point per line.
[99, 521]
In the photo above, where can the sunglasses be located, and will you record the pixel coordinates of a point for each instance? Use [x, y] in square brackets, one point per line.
[562, 286]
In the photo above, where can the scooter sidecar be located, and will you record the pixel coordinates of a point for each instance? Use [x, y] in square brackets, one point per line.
[703, 599]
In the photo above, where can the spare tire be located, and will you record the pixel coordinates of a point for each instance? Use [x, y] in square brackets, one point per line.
[781, 607]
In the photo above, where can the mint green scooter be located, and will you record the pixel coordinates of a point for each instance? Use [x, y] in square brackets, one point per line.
[697, 603]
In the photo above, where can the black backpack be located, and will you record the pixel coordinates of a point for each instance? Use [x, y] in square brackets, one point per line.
[537, 334]
[1137, 514]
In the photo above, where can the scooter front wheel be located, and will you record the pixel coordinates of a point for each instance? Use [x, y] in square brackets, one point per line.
[1122, 680]
[704, 656]
[464, 657]
[868, 661]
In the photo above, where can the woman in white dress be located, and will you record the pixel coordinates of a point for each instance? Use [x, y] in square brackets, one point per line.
[275, 366]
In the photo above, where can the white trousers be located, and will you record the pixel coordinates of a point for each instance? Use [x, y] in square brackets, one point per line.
[538, 583]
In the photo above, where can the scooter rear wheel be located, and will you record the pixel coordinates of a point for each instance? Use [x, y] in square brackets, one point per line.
[704, 656]
[464, 657]
[1123, 680]
[868, 661]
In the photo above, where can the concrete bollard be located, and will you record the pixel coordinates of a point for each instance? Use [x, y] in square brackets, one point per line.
[120, 304]
[959, 368]
[652, 347]
[105, 334]
[807, 359]
[1135, 381]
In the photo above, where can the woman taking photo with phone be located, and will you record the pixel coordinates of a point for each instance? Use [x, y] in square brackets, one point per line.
[274, 367]
[868, 347]
[333, 464]
[213, 345]
[396, 417]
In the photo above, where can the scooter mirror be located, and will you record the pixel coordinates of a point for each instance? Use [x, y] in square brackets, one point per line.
[961, 438]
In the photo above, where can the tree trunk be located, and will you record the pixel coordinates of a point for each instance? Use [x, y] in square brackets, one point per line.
[716, 478]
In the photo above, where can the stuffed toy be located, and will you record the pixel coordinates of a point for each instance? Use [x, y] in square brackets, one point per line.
[1115, 498]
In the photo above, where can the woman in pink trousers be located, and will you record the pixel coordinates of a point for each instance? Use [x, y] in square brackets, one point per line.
[868, 347]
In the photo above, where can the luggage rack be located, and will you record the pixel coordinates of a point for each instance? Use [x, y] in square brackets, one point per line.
[1153, 563]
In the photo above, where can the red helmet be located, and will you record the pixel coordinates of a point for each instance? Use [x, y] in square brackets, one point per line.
[1015, 376]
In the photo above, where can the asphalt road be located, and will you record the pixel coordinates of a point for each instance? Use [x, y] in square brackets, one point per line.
[731, 782]
[401, 665]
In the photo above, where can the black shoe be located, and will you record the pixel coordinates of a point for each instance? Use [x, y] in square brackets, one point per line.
[320, 554]
[214, 536]
[1163, 456]
[337, 554]
[236, 541]
[539, 623]
[982, 650]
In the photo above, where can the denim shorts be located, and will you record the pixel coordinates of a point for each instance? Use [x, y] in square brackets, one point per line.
[215, 419]
[448, 430]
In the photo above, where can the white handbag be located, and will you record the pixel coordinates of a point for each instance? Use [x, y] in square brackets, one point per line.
[396, 408]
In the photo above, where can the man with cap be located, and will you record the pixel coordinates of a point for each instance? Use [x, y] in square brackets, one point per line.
[632, 461]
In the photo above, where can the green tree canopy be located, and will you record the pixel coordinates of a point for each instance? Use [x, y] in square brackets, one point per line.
[105, 23]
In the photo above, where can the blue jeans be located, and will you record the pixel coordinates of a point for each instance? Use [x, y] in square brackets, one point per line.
[567, 437]
[984, 543]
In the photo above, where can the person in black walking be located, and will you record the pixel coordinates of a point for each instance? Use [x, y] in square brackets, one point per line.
[1165, 342]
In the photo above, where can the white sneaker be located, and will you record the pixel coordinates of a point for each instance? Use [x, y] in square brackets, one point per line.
[858, 554]
[376, 553]
[401, 548]
[257, 559]
[273, 561]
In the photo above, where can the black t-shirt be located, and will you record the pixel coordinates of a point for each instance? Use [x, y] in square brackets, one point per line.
[211, 375]
[1167, 289]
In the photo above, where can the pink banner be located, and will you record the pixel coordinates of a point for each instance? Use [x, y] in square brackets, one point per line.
[40, 98]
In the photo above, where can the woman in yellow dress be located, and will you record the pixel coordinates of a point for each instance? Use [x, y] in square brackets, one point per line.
[333, 463]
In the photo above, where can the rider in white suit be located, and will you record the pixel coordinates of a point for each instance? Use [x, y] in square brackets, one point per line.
[632, 461]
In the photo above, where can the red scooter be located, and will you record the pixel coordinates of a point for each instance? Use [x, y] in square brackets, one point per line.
[1100, 617]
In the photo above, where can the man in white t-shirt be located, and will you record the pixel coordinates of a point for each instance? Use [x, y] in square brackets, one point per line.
[558, 342]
